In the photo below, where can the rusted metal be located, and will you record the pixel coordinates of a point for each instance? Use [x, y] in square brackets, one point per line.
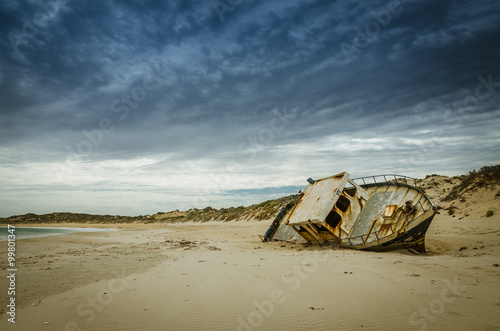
[389, 211]
[358, 213]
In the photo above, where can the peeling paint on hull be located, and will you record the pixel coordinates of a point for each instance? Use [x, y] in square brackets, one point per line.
[414, 238]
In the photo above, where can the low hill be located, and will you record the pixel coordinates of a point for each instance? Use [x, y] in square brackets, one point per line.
[263, 211]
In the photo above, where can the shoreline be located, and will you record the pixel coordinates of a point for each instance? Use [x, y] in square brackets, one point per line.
[51, 231]
[74, 225]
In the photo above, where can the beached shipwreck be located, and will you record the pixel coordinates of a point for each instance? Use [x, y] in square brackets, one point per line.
[383, 212]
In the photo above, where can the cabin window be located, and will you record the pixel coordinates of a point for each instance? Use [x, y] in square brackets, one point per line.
[351, 191]
[333, 219]
[320, 228]
[343, 203]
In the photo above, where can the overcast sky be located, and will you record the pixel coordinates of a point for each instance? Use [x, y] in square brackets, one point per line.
[134, 107]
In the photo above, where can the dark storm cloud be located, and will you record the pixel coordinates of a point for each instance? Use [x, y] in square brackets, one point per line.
[379, 79]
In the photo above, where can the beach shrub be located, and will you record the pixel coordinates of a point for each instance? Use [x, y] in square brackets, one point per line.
[485, 176]
[489, 213]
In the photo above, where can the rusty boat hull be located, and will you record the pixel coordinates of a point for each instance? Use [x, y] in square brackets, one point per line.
[379, 213]
[413, 239]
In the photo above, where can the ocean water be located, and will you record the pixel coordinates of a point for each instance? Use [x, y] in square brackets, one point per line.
[31, 232]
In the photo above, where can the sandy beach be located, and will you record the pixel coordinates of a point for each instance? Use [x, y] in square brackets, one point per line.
[215, 276]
